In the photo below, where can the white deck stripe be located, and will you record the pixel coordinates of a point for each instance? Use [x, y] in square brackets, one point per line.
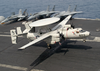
[13, 67]
[8, 35]
[36, 70]
[5, 32]
[18, 67]
[97, 19]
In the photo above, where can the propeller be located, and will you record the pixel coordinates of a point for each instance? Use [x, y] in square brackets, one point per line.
[61, 36]
[73, 26]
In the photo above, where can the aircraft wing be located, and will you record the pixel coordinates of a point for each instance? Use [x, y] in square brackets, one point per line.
[33, 16]
[36, 40]
[62, 24]
[72, 13]
[21, 16]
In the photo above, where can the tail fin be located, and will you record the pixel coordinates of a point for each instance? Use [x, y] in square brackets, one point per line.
[68, 10]
[19, 30]
[75, 8]
[48, 7]
[20, 12]
[53, 9]
[13, 36]
[27, 26]
[24, 12]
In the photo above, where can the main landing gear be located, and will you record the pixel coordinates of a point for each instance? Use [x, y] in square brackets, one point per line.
[49, 46]
[84, 40]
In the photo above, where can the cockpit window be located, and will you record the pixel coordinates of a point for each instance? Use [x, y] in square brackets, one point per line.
[81, 31]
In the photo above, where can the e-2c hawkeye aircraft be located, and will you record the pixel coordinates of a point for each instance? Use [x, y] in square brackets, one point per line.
[16, 17]
[60, 31]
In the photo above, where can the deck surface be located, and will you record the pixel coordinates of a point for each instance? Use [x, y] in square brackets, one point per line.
[80, 56]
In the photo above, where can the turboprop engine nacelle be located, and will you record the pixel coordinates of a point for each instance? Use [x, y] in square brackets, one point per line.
[32, 36]
[53, 39]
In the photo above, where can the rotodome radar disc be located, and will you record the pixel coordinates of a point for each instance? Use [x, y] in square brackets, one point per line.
[44, 22]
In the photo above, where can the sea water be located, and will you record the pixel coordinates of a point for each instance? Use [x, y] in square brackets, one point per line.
[90, 8]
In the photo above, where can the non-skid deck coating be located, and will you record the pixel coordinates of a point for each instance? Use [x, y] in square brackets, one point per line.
[80, 56]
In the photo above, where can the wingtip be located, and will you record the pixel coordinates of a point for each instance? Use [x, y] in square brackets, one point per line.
[21, 48]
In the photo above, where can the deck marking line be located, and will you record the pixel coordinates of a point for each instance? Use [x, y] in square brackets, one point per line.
[36, 70]
[17, 67]
[8, 35]
[13, 67]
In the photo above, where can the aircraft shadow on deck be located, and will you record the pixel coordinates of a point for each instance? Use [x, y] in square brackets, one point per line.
[49, 52]
[64, 45]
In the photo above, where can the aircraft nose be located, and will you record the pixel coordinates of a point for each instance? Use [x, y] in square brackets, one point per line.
[87, 33]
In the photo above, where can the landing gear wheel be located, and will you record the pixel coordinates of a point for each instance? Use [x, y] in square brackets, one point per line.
[84, 40]
[49, 46]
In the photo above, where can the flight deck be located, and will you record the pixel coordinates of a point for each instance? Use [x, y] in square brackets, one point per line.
[72, 56]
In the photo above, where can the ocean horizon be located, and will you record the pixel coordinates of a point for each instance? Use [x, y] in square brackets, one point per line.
[90, 8]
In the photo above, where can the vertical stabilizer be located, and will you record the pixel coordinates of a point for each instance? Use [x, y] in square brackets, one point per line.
[24, 12]
[53, 9]
[75, 8]
[27, 26]
[19, 30]
[68, 10]
[48, 7]
[20, 12]
[13, 36]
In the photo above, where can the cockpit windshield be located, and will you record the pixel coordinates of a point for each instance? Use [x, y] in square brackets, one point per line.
[81, 31]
